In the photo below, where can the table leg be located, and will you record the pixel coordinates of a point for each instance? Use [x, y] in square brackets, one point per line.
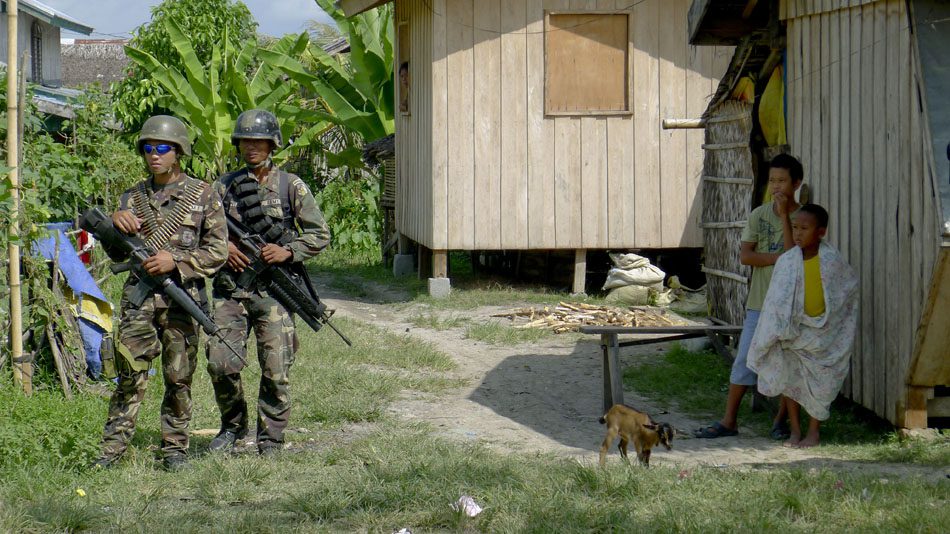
[613, 378]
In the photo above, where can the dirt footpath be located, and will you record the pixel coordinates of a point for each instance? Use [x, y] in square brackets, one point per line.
[546, 397]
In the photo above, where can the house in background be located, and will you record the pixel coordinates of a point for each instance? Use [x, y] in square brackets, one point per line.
[39, 34]
[94, 62]
[536, 125]
[866, 88]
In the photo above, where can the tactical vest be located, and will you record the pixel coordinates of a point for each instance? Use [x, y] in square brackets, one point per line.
[243, 188]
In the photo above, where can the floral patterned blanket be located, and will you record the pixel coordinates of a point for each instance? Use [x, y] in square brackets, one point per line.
[802, 357]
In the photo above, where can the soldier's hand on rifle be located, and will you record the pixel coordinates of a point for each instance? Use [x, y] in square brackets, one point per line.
[237, 261]
[161, 263]
[126, 221]
[275, 253]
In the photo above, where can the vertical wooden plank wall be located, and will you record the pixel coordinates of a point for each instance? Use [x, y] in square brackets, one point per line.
[482, 167]
[854, 118]
[460, 42]
[514, 126]
[52, 54]
[593, 166]
[646, 116]
[674, 212]
[567, 216]
[440, 136]
[414, 142]
[52, 57]
[488, 133]
[541, 194]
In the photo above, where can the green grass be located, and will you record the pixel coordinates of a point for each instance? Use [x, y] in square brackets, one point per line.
[358, 469]
[663, 378]
[404, 477]
[434, 321]
[500, 334]
[851, 432]
[355, 273]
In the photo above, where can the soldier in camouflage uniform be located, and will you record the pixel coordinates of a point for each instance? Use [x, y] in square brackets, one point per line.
[287, 204]
[185, 220]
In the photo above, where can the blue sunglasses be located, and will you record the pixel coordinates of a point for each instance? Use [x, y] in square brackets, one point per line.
[161, 149]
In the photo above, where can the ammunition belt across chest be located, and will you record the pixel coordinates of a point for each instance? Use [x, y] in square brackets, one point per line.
[157, 236]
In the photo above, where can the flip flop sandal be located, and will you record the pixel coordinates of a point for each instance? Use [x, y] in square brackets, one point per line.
[715, 430]
[780, 432]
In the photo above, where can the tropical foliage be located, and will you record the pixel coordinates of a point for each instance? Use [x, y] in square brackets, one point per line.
[208, 24]
[210, 96]
[358, 92]
[58, 179]
[61, 173]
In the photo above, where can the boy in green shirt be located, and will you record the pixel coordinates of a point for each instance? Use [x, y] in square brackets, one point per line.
[766, 236]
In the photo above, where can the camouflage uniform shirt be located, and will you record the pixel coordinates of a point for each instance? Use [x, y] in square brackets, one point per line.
[313, 234]
[199, 246]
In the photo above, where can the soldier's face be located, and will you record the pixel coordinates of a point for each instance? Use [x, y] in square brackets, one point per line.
[254, 151]
[159, 163]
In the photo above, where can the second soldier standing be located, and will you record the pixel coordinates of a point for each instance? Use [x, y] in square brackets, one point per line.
[281, 209]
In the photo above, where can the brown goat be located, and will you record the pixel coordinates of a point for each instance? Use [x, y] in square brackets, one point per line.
[635, 426]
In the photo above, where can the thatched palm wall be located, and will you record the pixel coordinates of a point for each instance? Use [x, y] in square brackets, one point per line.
[728, 179]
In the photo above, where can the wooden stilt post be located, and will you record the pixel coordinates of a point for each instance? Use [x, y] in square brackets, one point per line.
[914, 413]
[440, 264]
[580, 271]
[21, 375]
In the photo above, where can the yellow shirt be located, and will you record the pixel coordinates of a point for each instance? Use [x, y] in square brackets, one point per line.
[814, 293]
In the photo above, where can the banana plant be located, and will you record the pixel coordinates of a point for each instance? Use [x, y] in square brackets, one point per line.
[210, 97]
[360, 93]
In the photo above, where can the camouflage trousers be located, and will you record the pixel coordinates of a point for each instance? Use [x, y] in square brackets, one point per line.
[149, 332]
[276, 344]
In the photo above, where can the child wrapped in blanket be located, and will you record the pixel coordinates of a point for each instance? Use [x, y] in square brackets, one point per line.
[802, 345]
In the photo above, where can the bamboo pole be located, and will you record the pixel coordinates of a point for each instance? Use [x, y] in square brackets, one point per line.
[21, 376]
[673, 124]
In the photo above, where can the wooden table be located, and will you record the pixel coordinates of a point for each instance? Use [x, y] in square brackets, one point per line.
[610, 343]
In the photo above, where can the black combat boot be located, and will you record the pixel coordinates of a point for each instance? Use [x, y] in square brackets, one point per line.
[225, 440]
[175, 462]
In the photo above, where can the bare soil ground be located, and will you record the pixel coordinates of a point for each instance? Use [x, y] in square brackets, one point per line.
[546, 397]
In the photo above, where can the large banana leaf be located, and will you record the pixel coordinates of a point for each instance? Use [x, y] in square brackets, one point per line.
[209, 97]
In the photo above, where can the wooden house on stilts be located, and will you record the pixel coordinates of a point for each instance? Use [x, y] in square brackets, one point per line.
[860, 91]
[536, 124]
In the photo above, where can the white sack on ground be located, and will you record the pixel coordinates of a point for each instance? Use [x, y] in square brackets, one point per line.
[632, 269]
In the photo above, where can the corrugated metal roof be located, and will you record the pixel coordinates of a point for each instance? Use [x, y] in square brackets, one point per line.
[52, 16]
[340, 46]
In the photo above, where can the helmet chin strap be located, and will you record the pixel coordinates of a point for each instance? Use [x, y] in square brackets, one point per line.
[266, 164]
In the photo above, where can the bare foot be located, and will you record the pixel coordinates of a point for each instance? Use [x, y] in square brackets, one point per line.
[808, 442]
[793, 441]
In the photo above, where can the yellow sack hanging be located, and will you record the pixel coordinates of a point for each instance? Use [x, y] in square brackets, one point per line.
[772, 110]
[744, 91]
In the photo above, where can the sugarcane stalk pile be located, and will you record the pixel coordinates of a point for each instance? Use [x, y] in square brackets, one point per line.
[567, 317]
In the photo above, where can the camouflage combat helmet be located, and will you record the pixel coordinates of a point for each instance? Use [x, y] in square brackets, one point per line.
[256, 124]
[165, 128]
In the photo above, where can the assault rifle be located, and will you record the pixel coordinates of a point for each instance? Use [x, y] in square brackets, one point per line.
[97, 223]
[289, 285]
